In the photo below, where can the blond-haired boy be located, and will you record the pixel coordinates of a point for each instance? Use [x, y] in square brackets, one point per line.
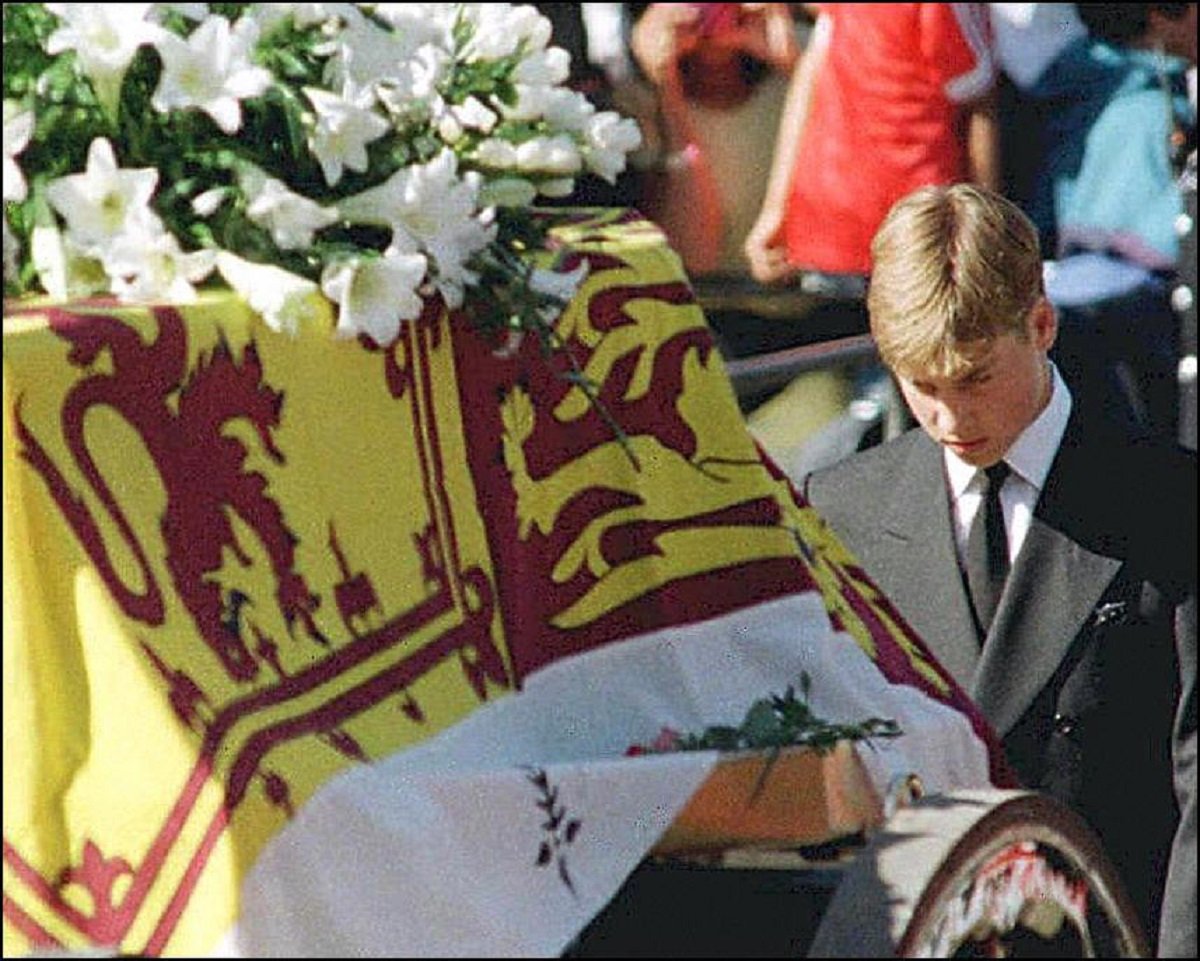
[1086, 664]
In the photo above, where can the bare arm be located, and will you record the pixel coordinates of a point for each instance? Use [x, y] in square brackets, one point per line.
[686, 201]
[682, 196]
[764, 247]
[983, 142]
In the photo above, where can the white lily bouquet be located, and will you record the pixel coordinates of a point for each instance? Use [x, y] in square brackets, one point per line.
[324, 160]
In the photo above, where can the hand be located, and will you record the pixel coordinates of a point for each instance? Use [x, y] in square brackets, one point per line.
[661, 36]
[765, 248]
[768, 32]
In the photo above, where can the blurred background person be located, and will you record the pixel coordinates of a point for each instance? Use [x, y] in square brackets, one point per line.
[888, 97]
[1114, 126]
[1028, 37]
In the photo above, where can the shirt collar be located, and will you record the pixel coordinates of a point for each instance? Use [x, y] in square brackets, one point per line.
[1032, 452]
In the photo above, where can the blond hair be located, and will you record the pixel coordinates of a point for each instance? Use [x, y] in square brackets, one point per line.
[952, 268]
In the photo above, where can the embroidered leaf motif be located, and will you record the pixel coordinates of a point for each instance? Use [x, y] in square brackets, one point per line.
[565, 874]
[559, 830]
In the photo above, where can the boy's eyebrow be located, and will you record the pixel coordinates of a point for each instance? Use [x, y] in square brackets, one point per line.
[981, 369]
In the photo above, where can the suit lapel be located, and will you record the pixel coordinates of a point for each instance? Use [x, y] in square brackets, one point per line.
[929, 591]
[1051, 593]
[1053, 587]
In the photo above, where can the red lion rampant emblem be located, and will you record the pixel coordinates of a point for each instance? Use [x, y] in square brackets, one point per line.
[203, 471]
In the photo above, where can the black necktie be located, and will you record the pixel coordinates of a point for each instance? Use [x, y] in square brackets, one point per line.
[987, 551]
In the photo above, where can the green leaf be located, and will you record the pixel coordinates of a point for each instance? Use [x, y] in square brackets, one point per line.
[761, 725]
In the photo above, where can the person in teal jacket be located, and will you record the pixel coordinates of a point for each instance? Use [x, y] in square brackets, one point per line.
[1114, 117]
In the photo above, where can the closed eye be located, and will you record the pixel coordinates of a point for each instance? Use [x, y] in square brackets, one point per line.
[975, 378]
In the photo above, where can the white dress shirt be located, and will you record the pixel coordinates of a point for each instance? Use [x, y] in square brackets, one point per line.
[1029, 458]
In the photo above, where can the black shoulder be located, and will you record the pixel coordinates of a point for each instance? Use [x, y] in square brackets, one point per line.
[1160, 477]
[1160, 513]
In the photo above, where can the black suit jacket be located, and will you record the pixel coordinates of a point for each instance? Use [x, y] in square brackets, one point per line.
[1088, 673]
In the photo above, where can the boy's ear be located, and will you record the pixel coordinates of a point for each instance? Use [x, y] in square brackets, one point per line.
[1043, 324]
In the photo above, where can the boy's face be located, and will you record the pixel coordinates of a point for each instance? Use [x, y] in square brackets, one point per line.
[979, 415]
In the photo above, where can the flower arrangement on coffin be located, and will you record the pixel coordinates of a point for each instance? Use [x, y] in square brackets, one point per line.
[820, 794]
[330, 162]
[772, 723]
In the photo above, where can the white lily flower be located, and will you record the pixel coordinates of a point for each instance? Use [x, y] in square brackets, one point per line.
[364, 53]
[341, 133]
[105, 38]
[189, 11]
[609, 138]
[207, 203]
[474, 115]
[291, 218]
[286, 302]
[154, 269]
[442, 217]
[429, 207]
[104, 201]
[375, 295]
[18, 128]
[565, 109]
[544, 67]
[495, 152]
[549, 155]
[64, 271]
[501, 29]
[211, 71]
[450, 251]
[270, 15]
[409, 91]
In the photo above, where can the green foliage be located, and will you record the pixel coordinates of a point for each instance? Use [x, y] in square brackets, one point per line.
[779, 721]
[26, 28]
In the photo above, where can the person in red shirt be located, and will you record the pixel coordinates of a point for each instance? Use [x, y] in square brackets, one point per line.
[887, 98]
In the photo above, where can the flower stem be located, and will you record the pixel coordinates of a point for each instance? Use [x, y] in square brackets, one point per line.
[577, 377]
